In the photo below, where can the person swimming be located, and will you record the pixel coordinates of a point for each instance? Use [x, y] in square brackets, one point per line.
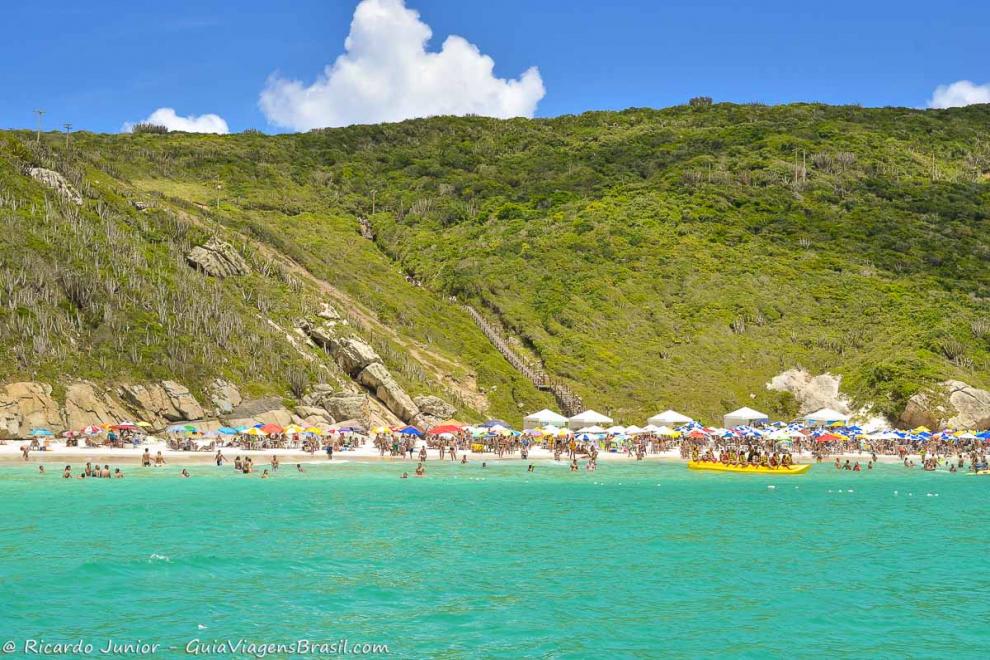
[184, 474]
[420, 470]
[41, 469]
[67, 472]
[264, 475]
[464, 459]
[299, 467]
[405, 475]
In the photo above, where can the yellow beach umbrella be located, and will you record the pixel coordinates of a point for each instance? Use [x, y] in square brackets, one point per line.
[144, 424]
[314, 430]
[294, 428]
[922, 429]
[254, 431]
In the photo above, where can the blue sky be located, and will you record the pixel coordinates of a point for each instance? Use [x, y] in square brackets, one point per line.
[102, 64]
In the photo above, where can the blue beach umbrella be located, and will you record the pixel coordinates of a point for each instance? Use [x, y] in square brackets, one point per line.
[411, 430]
[226, 430]
[41, 433]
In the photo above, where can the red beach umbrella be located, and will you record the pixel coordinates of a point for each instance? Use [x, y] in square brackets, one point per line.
[268, 429]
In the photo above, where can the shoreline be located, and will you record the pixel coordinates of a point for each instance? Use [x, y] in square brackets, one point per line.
[10, 455]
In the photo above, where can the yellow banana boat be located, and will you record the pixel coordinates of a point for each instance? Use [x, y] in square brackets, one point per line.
[749, 469]
[978, 473]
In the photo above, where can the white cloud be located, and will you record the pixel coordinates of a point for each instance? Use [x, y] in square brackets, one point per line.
[959, 93]
[386, 74]
[166, 117]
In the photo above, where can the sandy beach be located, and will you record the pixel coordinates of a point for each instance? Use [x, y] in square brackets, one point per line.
[10, 453]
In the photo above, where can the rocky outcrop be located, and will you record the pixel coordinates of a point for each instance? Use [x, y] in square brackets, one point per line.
[217, 258]
[353, 355]
[347, 406]
[434, 406]
[224, 396]
[335, 405]
[358, 359]
[811, 392]
[28, 405]
[56, 182]
[159, 403]
[85, 405]
[950, 404]
[377, 378]
[313, 415]
[268, 410]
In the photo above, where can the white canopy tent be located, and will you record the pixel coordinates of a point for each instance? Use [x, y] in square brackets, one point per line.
[588, 418]
[669, 418]
[543, 418]
[744, 417]
[824, 417]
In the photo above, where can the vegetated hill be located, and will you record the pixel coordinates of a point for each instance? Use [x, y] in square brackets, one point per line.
[103, 291]
[677, 257]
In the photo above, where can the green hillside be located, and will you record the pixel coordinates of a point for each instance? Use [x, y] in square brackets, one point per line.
[678, 257]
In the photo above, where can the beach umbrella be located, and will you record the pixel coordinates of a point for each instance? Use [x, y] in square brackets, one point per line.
[92, 430]
[411, 430]
[495, 422]
[313, 430]
[144, 425]
[254, 430]
[444, 428]
[41, 433]
[293, 428]
[270, 428]
[125, 427]
[226, 430]
[70, 434]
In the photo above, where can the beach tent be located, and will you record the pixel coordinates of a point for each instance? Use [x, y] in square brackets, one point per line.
[615, 430]
[744, 417]
[492, 423]
[825, 417]
[591, 429]
[588, 418]
[669, 418]
[542, 418]
[633, 430]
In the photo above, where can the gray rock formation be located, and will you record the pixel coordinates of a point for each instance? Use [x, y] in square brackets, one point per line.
[377, 378]
[86, 405]
[27, 405]
[312, 415]
[347, 406]
[329, 313]
[434, 406]
[353, 354]
[357, 358]
[266, 410]
[217, 258]
[224, 396]
[56, 182]
[956, 406]
[158, 403]
[811, 392]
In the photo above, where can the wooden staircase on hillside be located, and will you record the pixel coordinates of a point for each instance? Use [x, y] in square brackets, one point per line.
[569, 402]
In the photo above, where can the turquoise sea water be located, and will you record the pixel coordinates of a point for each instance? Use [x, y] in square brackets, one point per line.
[632, 560]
